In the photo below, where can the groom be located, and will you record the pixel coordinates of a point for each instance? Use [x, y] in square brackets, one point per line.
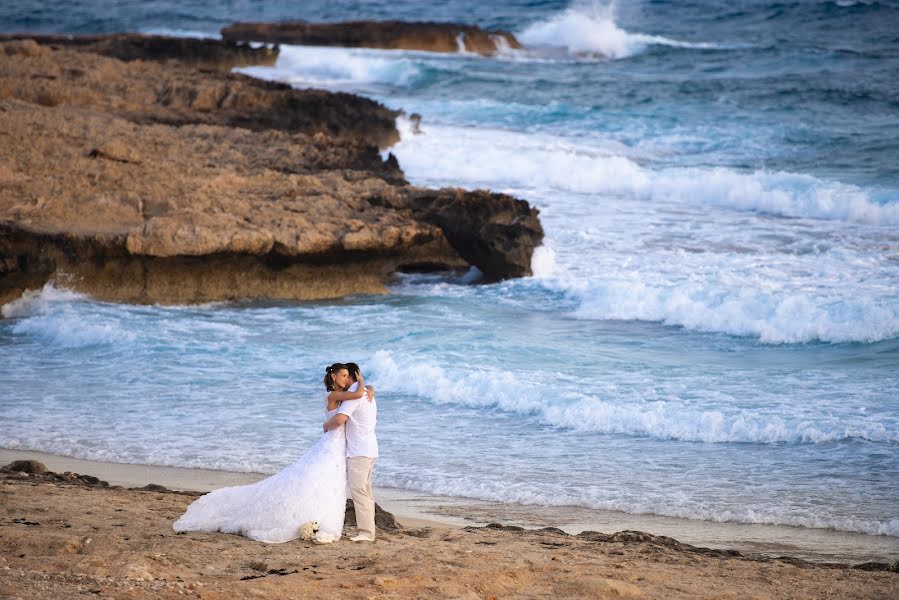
[360, 417]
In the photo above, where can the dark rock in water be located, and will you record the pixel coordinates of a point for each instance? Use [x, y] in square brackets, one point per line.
[383, 519]
[494, 232]
[25, 466]
[202, 53]
[415, 120]
[395, 35]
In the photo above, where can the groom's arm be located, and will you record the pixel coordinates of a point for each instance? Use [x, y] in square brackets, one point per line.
[347, 408]
[335, 421]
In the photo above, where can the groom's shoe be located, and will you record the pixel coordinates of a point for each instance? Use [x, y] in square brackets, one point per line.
[362, 538]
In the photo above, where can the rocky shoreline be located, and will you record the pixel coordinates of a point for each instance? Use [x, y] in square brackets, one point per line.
[138, 169]
[65, 535]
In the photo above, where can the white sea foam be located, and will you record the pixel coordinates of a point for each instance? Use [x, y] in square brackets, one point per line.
[665, 505]
[618, 413]
[185, 33]
[599, 206]
[35, 301]
[543, 262]
[340, 68]
[526, 161]
[50, 314]
[773, 316]
[592, 31]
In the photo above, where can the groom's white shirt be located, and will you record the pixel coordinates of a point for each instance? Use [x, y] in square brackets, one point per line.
[360, 426]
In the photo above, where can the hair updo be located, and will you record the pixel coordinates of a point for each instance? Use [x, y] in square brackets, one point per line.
[329, 373]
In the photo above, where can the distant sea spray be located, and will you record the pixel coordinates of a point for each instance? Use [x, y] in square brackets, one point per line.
[588, 29]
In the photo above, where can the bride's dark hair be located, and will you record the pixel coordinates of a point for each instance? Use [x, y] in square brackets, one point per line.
[329, 372]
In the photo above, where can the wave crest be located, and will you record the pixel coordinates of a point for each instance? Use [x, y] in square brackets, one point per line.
[659, 419]
[509, 159]
[52, 315]
[774, 318]
[584, 31]
[340, 68]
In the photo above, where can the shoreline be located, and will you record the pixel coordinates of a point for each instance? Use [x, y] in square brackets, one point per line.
[67, 537]
[420, 509]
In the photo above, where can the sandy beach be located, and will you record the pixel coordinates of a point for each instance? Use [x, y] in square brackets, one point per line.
[74, 539]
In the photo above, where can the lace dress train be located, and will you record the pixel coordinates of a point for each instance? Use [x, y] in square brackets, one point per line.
[272, 510]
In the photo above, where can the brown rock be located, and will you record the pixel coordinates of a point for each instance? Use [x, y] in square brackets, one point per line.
[116, 150]
[23, 47]
[175, 92]
[495, 232]
[25, 466]
[135, 187]
[154, 487]
[399, 35]
[203, 53]
[384, 520]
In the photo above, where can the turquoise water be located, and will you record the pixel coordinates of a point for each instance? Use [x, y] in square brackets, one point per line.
[712, 331]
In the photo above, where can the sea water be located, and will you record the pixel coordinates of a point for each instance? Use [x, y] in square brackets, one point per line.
[712, 328]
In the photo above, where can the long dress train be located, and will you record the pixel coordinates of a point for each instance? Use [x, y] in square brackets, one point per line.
[272, 510]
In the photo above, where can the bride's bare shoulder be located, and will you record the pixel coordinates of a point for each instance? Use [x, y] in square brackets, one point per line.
[331, 404]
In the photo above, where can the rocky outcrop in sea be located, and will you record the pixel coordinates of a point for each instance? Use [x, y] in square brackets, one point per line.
[135, 175]
[390, 35]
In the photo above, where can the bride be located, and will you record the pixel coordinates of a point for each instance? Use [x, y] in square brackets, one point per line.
[311, 489]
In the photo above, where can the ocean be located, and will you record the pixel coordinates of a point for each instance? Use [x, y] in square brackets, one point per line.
[712, 329]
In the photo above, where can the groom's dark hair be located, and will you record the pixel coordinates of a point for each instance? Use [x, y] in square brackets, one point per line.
[353, 368]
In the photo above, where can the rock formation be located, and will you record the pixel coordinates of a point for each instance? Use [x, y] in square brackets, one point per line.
[174, 92]
[155, 181]
[391, 35]
[201, 53]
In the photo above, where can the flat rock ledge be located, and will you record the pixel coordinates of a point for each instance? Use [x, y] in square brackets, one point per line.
[390, 35]
[203, 53]
[134, 176]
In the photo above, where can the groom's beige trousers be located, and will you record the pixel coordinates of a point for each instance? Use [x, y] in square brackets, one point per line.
[359, 477]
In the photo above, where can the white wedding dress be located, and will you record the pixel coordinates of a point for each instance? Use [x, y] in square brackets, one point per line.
[272, 510]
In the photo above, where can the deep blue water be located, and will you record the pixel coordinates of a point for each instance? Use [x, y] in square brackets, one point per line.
[712, 331]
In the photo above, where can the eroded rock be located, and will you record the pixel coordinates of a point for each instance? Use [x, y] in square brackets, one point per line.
[158, 183]
[394, 35]
[25, 466]
[203, 53]
[384, 521]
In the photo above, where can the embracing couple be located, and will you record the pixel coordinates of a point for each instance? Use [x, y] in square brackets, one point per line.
[308, 498]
